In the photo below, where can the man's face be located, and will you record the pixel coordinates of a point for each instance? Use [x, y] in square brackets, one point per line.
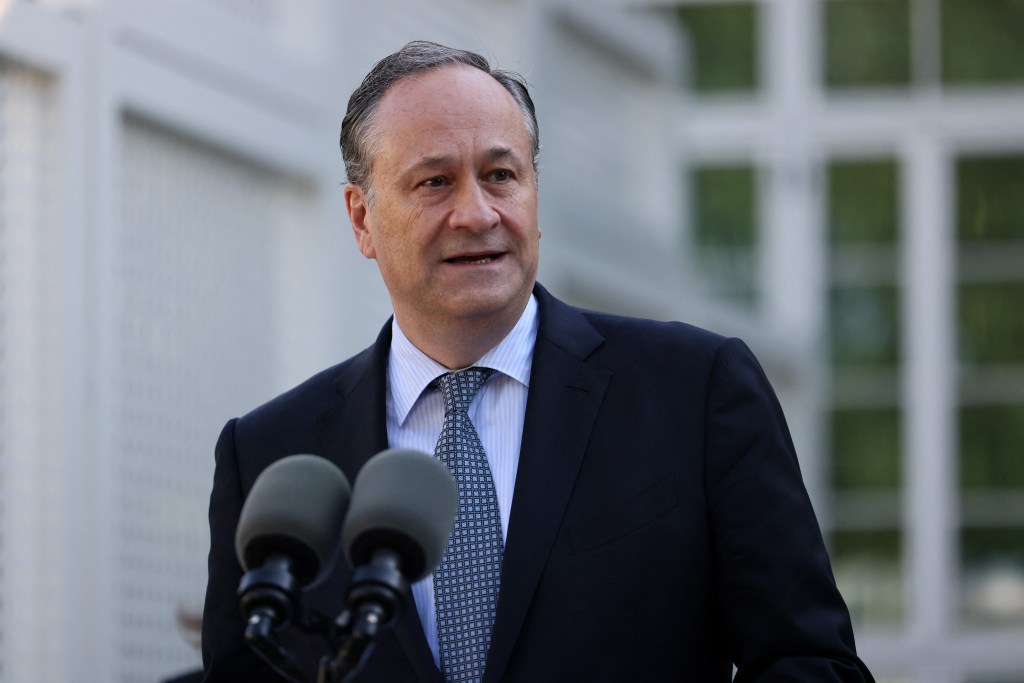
[453, 221]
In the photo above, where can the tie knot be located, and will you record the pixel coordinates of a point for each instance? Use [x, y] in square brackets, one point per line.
[459, 387]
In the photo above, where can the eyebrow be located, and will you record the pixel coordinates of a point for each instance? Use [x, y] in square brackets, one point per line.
[499, 152]
[492, 154]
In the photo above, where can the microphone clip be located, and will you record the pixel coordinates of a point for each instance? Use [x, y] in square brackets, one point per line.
[375, 600]
[270, 598]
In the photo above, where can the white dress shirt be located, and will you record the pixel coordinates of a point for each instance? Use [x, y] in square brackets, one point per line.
[415, 414]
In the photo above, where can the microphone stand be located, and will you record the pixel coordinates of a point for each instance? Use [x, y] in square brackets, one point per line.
[375, 600]
[270, 596]
[261, 636]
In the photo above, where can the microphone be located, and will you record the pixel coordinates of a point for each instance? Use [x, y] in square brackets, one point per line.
[403, 508]
[287, 537]
[404, 504]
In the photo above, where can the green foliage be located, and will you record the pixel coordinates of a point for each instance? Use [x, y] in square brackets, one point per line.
[866, 449]
[982, 41]
[867, 43]
[881, 545]
[723, 38]
[725, 228]
[990, 197]
[986, 546]
[992, 447]
[991, 322]
[725, 203]
[863, 201]
[864, 325]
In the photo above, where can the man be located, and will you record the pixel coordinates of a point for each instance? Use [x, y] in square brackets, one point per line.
[652, 516]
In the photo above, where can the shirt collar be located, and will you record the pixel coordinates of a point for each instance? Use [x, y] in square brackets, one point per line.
[410, 370]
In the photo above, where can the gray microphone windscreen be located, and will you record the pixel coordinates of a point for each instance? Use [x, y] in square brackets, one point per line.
[296, 508]
[405, 501]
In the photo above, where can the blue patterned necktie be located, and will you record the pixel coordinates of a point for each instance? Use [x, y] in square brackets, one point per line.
[467, 580]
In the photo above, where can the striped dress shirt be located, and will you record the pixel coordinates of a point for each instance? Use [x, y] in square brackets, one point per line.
[415, 414]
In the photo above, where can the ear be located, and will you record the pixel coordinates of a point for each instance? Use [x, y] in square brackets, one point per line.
[355, 205]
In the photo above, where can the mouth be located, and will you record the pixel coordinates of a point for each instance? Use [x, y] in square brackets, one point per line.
[474, 259]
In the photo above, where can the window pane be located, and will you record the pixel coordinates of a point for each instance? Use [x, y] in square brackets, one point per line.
[990, 198]
[863, 201]
[864, 323]
[724, 197]
[990, 328]
[723, 38]
[724, 228]
[866, 449]
[992, 322]
[982, 41]
[992, 447]
[867, 42]
[868, 568]
[993, 575]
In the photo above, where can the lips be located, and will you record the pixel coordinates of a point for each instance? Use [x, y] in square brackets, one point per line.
[474, 259]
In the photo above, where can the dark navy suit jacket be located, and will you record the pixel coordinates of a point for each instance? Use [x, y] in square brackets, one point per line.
[660, 529]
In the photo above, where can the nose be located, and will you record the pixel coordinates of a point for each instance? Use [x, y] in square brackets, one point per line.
[473, 209]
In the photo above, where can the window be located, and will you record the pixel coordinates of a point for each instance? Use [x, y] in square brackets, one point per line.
[865, 417]
[867, 43]
[982, 41]
[990, 318]
[723, 46]
[892, 43]
[724, 228]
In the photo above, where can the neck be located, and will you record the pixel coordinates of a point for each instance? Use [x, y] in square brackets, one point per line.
[457, 346]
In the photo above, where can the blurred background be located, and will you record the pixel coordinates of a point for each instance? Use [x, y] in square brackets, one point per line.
[839, 182]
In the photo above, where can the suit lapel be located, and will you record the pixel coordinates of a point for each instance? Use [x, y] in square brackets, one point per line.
[355, 429]
[564, 398]
[352, 432]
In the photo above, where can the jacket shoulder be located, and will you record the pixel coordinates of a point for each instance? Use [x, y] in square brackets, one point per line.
[655, 336]
[297, 408]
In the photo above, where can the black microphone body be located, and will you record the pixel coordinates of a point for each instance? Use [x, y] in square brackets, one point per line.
[272, 590]
[288, 534]
[403, 509]
[376, 599]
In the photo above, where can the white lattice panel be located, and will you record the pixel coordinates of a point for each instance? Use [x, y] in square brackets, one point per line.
[33, 592]
[196, 327]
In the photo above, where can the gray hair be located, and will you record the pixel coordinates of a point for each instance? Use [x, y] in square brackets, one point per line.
[415, 57]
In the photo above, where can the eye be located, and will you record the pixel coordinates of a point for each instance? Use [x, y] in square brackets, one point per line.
[501, 175]
[436, 181]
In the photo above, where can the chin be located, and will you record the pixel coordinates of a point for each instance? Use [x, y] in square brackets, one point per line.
[484, 305]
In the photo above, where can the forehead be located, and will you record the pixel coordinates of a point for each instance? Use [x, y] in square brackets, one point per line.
[452, 103]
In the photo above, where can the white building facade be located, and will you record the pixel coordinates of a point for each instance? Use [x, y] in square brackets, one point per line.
[174, 251]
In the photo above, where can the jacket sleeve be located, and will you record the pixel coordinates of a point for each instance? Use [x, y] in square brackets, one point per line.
[226, 657]
[782, 614]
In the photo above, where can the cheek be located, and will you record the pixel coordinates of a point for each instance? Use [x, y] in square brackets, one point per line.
[402, 236]
[523, 208]
[398, 253]
[529, 230]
